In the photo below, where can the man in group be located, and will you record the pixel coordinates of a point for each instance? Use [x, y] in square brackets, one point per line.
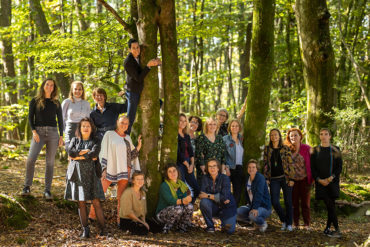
[135, 78]
[258, 206]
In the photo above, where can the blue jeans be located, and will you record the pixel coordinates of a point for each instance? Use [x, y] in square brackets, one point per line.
[275, 186]
[133, 100]
[243, 214]
[190, 179]
[210, 209]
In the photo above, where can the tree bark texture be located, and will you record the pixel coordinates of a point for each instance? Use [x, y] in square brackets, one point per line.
[7, 51]
[149, 107]
[170, 76]
[318, 64]
[262, 63]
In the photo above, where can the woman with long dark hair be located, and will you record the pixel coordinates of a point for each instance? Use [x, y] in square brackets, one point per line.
[83, 184]
[279, 174]
[44, 110]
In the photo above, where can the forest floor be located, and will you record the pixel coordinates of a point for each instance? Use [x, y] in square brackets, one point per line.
[56, 223]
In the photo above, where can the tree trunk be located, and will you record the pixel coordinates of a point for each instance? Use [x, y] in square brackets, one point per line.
[318, 64]
[149, 108]
[170, 75]
[81, 18]
[7, 51]
[262, 63]
[43, 28]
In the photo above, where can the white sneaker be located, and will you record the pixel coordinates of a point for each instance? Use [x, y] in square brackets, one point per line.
[289, 228]
[283, 227]
[263, 227]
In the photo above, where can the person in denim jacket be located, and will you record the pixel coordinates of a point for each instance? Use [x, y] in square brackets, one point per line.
[258, 206]
[216, 199]
[234, 157]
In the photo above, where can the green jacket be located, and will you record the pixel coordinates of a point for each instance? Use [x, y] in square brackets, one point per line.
[166, 199]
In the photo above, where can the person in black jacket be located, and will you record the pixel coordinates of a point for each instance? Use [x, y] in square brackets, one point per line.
[135, 75]
[326, 166]
[185, 157]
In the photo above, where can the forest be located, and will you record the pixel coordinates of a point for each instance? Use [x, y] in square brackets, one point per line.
[273, 63]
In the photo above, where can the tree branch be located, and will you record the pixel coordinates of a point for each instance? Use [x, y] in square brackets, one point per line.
[125, 25]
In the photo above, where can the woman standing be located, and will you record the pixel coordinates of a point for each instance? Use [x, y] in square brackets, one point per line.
[234, 157]
[222, 125]
[326, 165]
[185, 156]
[83, 185]
[74, 109]
[119, 159]
[209, 145]
[196, 125]
[216, 198]
[279, 174]
[302, 178]
[133, 207]
[104, 114]
[43, 111]
[174, 207]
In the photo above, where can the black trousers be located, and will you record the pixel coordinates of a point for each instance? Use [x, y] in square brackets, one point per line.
[135, 228]
[237, 180]
[332, 215]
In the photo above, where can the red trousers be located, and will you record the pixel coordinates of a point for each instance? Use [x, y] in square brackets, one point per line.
[301, 198]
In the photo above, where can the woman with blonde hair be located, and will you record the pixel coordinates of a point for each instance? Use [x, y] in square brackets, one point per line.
[44, 109]
[209, 145]
[74, 109]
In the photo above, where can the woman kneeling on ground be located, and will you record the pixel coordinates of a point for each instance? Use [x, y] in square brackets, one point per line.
[83, 184]
[258, 206]
[133, 207]
[174, 208]
[216, 198]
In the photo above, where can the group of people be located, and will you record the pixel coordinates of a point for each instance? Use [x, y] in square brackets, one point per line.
[209, 164]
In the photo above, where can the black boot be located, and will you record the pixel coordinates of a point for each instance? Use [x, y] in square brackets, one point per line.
[86, 232]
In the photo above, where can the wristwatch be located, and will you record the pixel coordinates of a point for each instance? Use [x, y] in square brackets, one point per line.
[209, 196]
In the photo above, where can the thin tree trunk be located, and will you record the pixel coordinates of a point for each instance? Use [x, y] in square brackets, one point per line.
[262, 63]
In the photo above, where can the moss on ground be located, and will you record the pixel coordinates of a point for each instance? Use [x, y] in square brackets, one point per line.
[12, 213]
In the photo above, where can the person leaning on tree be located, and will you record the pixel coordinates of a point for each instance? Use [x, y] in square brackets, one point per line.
[135, 75]
[44, 109]
[326, 166]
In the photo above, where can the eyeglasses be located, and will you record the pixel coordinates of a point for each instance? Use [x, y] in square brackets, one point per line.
[212, 166]
[194, 122]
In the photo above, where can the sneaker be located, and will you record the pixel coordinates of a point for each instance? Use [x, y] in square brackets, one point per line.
[283, 227]
[210, 230]
[289, 228]
[327, 231]
[48, 196]
[26, 191]
[335, 234]
[263, 227]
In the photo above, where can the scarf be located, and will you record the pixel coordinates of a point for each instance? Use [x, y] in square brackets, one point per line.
[175, 186]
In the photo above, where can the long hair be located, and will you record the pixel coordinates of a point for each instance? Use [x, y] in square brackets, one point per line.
[234, 121]
[280, 138]
[40, 96]
[288, 141]
[71, 90]
[78, 130]
[186, 129]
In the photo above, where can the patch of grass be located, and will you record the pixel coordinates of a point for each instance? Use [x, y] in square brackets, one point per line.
[354, 192]
[21, 240]
[5, 167]
[12, 214]
[62, 203]
[29, 202]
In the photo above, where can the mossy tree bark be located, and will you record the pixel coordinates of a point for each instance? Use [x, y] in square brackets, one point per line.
[262, 62]
[170, 76]
[318, 64]
[148, 120]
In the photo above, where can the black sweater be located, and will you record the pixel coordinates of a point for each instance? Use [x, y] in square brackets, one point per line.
[45, 116]
[135, 75]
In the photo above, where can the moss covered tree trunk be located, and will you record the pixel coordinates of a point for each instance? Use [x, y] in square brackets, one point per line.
[149, 107]
[318, 64]
[262, 62]
[170, 75]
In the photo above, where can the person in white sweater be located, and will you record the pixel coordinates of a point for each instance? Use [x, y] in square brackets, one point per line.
[74, 109]
[119, 159]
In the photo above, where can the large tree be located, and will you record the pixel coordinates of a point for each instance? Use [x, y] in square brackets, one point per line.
[318, 64]
[262, 63]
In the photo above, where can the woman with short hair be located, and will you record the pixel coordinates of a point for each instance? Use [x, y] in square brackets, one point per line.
[222, 116]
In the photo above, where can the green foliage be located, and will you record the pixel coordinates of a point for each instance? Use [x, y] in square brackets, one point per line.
[12, 214]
